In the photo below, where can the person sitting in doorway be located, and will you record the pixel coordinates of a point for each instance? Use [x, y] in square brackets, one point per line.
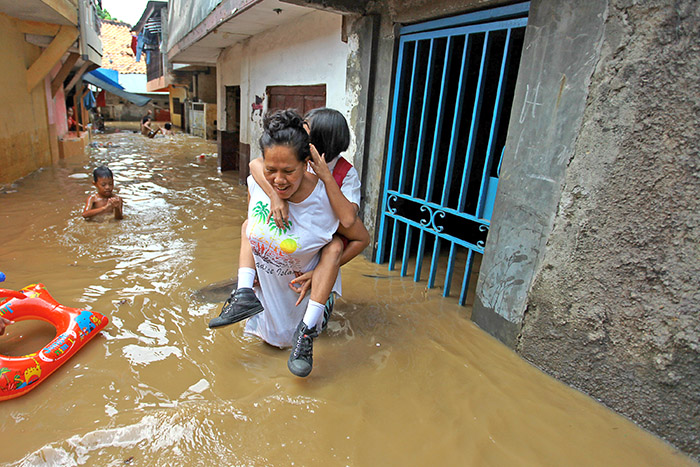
[73, 125]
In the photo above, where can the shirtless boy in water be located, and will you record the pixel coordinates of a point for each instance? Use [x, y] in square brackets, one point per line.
[104, 201]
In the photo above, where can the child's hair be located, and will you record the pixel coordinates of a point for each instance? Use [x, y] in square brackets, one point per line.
[329, 132]
[168, 126]
[285, 128]
[102, 172]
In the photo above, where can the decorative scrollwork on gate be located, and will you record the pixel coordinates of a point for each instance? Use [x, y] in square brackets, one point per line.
[430, 223]
[482, 228]
[389, 200]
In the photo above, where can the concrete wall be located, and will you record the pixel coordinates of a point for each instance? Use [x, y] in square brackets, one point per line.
[306, 52]
[205, 86]
[555, 69]
[615, 306]
[118, 109]
[24, 129]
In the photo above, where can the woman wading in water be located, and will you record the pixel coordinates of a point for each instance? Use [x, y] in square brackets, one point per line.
[283, 253]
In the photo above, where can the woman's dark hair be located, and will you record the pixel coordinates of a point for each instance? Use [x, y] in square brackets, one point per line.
[102, 172]
[329, 132]
[285, 128]
[168, 126]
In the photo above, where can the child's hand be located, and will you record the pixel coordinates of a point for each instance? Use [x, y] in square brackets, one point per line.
[304, 281]
[279, 212]
[319, 166]
[115, 202]
[4, 322]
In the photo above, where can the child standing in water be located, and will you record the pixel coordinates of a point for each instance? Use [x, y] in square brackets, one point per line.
[104, 201]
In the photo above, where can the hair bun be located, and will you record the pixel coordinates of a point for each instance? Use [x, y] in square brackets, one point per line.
[285, 127]
[281, 119]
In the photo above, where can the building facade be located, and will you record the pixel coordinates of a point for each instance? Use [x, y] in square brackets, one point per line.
[44, 56]
[551, 145]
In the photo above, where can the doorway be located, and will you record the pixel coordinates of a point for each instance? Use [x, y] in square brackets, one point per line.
[229, 139]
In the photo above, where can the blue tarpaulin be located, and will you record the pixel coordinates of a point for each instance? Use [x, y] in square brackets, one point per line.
[102, 81]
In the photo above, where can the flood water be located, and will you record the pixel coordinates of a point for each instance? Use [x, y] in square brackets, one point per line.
[401, 377]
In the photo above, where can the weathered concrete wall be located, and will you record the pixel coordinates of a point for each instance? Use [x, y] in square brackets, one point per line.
[561, 48]
[615, 308]
[118, 109]
[375, 37]
[206, 86]
[24, 131]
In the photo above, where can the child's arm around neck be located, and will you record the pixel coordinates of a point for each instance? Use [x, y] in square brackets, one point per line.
[279, 209]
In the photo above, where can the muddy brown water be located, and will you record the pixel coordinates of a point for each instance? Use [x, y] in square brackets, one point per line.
[402, 377]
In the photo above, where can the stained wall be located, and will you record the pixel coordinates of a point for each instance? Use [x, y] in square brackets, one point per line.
[24, 129]
[614, 308]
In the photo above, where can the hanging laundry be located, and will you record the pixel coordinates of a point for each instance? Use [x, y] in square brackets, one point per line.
[89, 100]
[101, 99]
[139, 46]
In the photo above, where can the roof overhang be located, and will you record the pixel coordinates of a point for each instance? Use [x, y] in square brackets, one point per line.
[151, 7]
[54, 11]
[108, 85]
[232, 21]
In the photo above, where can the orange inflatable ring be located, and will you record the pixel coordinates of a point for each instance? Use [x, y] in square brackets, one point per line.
[74, 328]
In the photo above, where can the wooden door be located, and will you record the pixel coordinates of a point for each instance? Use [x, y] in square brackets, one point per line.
[300, 98]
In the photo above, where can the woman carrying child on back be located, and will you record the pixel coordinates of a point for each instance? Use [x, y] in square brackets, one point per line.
[279, 235]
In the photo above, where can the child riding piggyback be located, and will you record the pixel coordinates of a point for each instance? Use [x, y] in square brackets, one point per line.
[329, 136]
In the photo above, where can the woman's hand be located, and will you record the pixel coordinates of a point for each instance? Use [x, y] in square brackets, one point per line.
[304, 282]
[279, 212]
[319, 166]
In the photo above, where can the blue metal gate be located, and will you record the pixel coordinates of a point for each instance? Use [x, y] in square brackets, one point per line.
[455, 81]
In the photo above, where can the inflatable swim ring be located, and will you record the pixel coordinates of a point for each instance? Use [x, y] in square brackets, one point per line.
[74, 328]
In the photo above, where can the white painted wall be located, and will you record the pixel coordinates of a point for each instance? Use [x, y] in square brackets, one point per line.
[308, 51]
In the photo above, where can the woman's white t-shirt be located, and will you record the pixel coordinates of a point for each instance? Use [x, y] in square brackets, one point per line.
[280, 253]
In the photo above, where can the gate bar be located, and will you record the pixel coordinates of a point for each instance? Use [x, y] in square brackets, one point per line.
[389, 164]
[476, 111]
[438, 121]
[456, 121]
[427, 94]
[469, 18]
[497, 105]
[450, 269]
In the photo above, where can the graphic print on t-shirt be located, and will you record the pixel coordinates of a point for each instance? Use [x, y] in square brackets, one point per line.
[273, 246]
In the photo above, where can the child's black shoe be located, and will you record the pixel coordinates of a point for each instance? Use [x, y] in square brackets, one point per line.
[242, 304]
[301, 359]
